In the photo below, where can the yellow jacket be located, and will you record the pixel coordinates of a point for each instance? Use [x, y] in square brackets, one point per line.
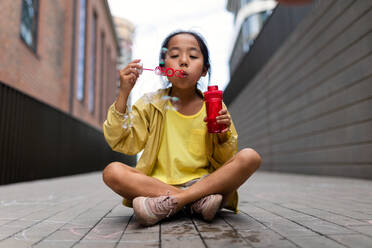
[143, 128]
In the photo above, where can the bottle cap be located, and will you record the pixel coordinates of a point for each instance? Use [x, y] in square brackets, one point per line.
[212, 87]
[213, 92]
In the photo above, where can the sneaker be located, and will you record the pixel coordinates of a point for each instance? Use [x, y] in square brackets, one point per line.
[207, 206]
[149, 211]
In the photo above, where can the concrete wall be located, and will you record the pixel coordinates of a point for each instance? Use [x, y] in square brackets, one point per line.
[309, 110]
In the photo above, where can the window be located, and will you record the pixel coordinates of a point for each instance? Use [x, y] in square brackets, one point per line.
[92, 78]
[265, 15]
[108, 89]
[244, 2]
[29, 20]
[81, 51]
[102, 71]
[252, 27]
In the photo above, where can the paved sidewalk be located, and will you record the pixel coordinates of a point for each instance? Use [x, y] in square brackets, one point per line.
[276, 210]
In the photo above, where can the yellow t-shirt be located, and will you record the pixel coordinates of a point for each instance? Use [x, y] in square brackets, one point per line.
[182, 154]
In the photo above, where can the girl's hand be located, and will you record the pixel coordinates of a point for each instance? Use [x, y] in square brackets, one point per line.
[223, 118]
[129, 75]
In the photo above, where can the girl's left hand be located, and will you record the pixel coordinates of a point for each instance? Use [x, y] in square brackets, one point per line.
[223, 118]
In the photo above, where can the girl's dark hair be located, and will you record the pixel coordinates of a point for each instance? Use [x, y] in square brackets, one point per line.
[202, 45]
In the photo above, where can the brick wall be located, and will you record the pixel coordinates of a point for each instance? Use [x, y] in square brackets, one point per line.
[309, 109]
[46, 74]
[39, 75]
[108, 60]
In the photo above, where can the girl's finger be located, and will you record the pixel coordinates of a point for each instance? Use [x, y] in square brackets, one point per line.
[136, 72]
[133, 75]
[220, 117]
[129, 71]
[134, 65]
[135, 61]
[125, 71]
[222, 111]
[132, 78]
[226, 122]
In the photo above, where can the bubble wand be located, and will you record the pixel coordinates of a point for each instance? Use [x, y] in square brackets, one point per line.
[162, 70]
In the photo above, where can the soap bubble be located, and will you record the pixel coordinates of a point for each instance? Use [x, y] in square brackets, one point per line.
[158, 71]
[146, 100]
[165, 97]
[172, 98]
[173, 108]
[149, 97]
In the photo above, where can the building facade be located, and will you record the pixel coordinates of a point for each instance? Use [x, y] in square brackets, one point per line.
[249, 18]
[57, 79]
[302, 95]
[62, 53]
[125, 30]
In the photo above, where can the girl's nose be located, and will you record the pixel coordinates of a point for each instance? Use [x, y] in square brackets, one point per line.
[183, 64]
[183, 61]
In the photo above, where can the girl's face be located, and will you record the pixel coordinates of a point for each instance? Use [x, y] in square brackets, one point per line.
[184, 54]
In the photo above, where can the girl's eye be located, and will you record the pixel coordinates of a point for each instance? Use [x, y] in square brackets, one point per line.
[174, 56]
[193, 57]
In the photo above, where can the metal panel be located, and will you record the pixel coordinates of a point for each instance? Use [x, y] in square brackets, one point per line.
[309, 109]
[38, 141]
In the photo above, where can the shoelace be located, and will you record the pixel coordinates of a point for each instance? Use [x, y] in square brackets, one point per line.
[168, 202]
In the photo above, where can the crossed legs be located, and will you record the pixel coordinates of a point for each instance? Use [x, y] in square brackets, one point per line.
[130, 183]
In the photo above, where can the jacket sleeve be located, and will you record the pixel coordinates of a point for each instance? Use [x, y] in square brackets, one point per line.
[223, 151]
[127, 132]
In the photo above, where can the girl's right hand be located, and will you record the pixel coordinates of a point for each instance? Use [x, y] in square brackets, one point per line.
[129, 75]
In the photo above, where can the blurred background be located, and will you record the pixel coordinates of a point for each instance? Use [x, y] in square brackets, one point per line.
[296, 78]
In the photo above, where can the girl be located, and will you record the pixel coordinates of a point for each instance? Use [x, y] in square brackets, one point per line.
[182, 164]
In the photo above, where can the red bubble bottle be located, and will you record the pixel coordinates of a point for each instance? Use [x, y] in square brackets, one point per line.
[213, 102]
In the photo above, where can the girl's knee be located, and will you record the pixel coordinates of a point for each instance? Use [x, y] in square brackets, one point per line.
[113, 172]
[249, 159]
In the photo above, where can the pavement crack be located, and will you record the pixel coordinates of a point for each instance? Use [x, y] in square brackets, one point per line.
[122, 234]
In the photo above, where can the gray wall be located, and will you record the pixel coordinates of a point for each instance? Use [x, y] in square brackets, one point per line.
[244, 65]
[309, 110]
